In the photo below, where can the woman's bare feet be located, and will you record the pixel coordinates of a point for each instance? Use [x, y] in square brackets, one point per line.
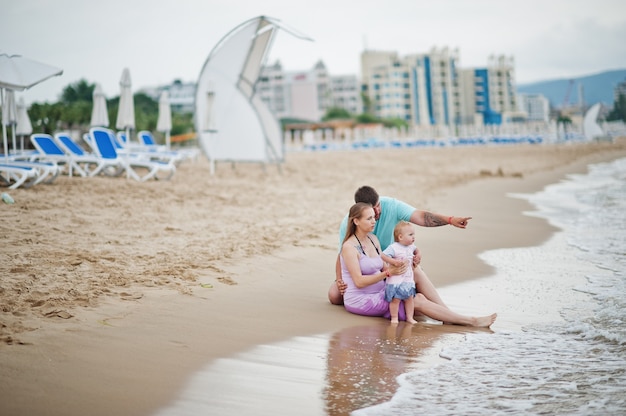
[484, 321]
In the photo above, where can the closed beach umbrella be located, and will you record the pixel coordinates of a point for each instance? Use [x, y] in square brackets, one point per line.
[18, 73]
[99, 113]
[9, 115]
[164, 122]
[126, 111]
[24, 126]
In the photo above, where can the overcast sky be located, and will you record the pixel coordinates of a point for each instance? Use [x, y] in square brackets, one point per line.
[163, 40]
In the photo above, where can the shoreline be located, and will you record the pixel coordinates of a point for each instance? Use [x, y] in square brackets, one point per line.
[116, 355]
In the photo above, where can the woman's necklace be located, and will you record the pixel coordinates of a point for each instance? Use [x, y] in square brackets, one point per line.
[360, 245]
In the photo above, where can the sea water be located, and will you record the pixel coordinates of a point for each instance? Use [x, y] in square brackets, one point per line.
[572, 365]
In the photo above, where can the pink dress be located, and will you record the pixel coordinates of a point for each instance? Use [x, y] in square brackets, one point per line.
[370, 300]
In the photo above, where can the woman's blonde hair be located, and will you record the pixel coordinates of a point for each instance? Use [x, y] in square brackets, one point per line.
[356, 211]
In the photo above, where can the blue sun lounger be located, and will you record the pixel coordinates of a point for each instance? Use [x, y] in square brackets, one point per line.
[102, 141]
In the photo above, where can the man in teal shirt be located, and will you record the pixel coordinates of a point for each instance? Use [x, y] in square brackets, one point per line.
[388, 211]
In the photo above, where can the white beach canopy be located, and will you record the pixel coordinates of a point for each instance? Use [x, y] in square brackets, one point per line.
[99, 113]
[164, 121]
[17, 74]
[232, 122]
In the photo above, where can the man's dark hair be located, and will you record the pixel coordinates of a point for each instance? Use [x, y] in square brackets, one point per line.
[366, 194]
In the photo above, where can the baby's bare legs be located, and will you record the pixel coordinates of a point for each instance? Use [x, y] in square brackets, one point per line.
[394, 308]
[409, 309]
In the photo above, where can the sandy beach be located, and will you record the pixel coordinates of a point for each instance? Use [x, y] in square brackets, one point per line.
[114, 292]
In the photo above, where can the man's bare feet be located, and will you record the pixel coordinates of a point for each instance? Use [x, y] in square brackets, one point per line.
[484, 321]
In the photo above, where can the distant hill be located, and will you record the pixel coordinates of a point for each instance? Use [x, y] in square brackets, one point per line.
[597, 88]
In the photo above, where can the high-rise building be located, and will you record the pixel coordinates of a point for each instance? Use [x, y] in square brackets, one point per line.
[422, 89]
[489, 94]
[432, 90]
[495, 89]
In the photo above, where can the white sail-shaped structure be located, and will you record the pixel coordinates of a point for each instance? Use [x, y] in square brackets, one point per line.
[591, 128]
[233, 124]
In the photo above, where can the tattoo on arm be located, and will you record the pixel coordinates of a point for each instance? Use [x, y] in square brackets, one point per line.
[432, 220]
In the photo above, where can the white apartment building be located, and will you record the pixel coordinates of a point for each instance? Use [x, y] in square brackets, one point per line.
[303, 95]
[422, 89]
[307, 95]
[536, 107]
[181, 95]
[488, 95]
[500, 94]
[346, 93]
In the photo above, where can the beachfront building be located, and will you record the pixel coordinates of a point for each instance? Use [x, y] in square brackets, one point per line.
[431, 90]
[422, 89]
[536, 107]
[345, 92]
[489, 93]
[181, 95]
[307, 95]
[497, 82]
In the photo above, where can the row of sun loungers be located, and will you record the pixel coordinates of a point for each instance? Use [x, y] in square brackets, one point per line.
[110, 154]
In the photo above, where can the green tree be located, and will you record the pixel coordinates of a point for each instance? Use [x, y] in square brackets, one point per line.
[146, 112]
[565, 120]
[73, 111]
[367, 118]
[619, 109]
[394, 122]
[367, 103]
[78, 91]
[182, 123]
[336, 113]
[75, 105]
[45, 117]
[75, 115]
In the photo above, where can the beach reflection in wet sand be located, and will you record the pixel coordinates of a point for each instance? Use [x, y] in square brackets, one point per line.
[314, 375]
[364, 361]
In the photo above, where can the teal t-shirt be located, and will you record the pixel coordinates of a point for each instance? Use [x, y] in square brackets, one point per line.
[391, 211]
